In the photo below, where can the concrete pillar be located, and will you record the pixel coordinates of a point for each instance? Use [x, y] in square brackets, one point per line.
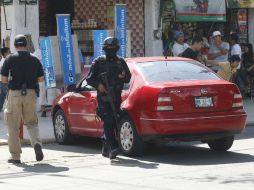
[153, 46]
[16, 24]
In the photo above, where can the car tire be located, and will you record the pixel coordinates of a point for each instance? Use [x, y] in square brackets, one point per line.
[129, 141]
[222, 144]
[61, 129]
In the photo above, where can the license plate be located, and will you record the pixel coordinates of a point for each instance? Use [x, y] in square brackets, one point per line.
[203, 102]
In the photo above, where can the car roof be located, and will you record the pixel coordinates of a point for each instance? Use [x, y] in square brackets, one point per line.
[152, 59]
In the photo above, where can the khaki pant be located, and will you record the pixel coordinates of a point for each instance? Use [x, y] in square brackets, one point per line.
[21, 108]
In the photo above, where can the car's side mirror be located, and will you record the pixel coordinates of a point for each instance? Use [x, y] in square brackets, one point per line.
[71, 88]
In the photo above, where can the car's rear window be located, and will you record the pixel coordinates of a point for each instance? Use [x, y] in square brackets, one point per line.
[163, 71]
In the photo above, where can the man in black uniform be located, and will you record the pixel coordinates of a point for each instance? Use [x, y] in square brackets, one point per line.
[108, 75]
[25, 72]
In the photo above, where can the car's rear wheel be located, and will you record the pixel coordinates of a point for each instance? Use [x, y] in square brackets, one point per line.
[61, 129]
[222, 144]
[129, 141]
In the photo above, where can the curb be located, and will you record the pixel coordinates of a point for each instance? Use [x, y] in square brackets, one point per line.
[27, 141]
[249, 124]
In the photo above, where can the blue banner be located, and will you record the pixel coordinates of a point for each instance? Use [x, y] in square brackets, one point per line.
[47, 61]
[66, 47]
[120, 28]
[99, 37]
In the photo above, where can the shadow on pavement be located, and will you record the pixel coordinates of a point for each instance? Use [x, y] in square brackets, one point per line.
[42, 168]
[120, 161]
[188, 155]
[36, 169]
[89, 145]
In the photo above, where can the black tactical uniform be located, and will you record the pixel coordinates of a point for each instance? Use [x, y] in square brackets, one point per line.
[105, 71]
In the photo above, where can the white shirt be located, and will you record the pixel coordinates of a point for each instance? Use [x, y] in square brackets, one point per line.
[213, 50]
[236, 50]
[1, 65]
[179, 48]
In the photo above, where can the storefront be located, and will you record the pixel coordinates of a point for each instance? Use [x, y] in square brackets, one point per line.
[201, 17]
[99, 15]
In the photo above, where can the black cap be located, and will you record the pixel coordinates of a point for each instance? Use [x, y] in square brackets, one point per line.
[110, 43]
[234, 58]
[20, 41]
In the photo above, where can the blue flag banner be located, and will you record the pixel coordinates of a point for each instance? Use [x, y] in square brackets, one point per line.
[66, 49]
[120, 28]
[99, 36]
[47, 61]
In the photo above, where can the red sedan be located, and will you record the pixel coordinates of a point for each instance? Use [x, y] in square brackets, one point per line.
[167, 99]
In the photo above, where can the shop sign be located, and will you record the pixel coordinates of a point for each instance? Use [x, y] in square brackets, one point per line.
[47, 61]
[240, 3]
[120, 28]
[98, 38]
[201, 10]
[28, 2]
[66, 48]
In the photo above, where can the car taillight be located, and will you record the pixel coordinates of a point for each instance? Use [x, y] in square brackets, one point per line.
[164, 102]
[237, 101]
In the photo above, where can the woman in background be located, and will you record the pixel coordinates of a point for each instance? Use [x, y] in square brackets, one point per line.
[246, 72]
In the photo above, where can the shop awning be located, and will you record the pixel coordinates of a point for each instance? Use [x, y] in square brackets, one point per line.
[201, 10]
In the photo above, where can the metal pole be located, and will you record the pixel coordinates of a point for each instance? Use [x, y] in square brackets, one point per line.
[25, 13]
[6, 25]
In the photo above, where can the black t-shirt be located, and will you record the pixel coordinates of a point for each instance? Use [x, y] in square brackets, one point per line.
[189, 53]
[24, 68]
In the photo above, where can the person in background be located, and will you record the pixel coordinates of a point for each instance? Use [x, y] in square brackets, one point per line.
[43, 91]
[179, 45]
[3, 87]
[193, 52]
[235, 48]
[227, 69]
[246, 71]
[219, 49]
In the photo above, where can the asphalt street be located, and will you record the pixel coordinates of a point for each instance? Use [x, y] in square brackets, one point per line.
[173, 166]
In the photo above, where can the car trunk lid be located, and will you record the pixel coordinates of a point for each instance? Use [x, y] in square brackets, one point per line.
[198, 96]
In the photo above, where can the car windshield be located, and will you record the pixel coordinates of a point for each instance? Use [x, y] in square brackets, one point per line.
[163, 71]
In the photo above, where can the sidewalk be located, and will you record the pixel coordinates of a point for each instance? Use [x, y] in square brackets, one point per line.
[45, 127]
[47, 132]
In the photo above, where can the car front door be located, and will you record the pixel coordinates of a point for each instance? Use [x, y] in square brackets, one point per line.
[83, 110]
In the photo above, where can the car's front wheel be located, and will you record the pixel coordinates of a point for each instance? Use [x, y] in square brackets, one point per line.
[61, 128]
[222, 144]
[129, 141]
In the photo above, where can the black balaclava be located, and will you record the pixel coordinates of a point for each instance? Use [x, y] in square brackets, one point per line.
[110, 53]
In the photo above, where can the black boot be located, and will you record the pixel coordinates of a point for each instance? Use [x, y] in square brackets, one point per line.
[43, 113]
[113, 153]
[105, 149]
